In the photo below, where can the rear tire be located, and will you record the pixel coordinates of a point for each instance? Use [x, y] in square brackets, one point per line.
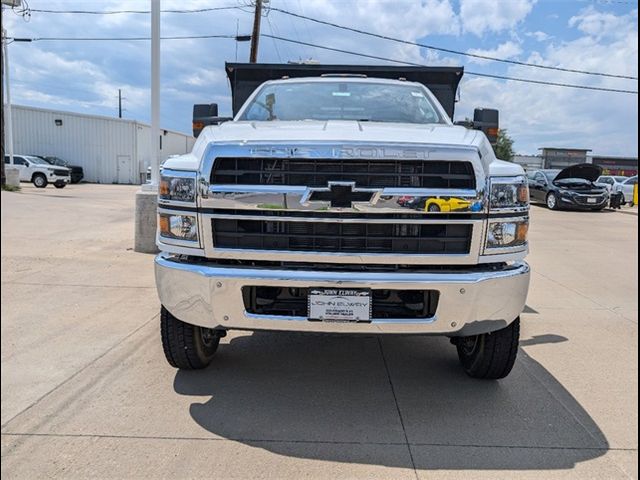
[490, 356]
[186, 346]
[434, 208]
[39, 180]
[59, 185]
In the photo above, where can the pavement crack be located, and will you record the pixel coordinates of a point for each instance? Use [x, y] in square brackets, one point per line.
[323, 442]
[395, 399]
[74, 375]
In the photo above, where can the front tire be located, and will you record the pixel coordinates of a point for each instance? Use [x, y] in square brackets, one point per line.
[552, 201]
[490, 356]
[59, 185]
[39, 180]
[433, 208]
[186, 346]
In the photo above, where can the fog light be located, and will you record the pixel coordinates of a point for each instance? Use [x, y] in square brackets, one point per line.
[178, 227]
[507, 234]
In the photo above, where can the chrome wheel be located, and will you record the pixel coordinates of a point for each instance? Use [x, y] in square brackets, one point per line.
[552, 201]
[40, 181]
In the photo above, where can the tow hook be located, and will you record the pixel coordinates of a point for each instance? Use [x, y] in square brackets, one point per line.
[220, 333]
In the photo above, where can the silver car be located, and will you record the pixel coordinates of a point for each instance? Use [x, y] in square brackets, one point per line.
[613, 183]
[627, 188]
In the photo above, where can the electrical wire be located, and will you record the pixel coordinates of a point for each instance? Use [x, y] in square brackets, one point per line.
[448, 50]
[467, 72]
[322, 47]
[351, 29]
[118, 12]
[115, 39]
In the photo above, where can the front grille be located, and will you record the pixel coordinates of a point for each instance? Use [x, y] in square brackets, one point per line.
[293, 302]
[365, 173]
[61, 173]
[584, 199]
[342, 237]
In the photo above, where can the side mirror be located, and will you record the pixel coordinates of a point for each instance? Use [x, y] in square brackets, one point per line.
[487, 120]
[206, 114]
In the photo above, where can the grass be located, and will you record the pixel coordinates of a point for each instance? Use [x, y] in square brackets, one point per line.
[10, 188]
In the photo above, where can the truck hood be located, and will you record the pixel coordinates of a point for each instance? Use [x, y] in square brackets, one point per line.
[313, 131]
[585, 171]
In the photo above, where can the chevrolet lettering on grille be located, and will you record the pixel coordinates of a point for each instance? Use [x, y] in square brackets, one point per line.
[341, 195]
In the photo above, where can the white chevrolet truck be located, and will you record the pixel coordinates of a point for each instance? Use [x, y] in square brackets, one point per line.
[343, 199]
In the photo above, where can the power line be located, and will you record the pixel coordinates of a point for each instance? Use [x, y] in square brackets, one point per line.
[322, 47]
[500, 77]
[448, 50]
[118, 39]
[118, 12]
[352, 29]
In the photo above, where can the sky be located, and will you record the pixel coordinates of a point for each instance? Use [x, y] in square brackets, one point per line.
[593, 35]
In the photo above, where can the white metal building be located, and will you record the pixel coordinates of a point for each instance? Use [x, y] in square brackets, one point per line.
[110, 150]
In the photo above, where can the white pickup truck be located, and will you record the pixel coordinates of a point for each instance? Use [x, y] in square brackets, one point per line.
[334, 202]
[38, 171]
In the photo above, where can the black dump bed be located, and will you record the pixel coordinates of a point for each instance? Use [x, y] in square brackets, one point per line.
[246, 77]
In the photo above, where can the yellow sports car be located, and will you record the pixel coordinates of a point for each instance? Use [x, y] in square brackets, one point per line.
[446, 204]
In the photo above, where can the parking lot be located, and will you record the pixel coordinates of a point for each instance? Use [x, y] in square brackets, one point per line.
[86, 391]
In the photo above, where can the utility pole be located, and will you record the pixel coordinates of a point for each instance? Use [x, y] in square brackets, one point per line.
[155, 93]
[119, 103]
[2, 177]
[146, 216]
[7, 123]
[255, 35]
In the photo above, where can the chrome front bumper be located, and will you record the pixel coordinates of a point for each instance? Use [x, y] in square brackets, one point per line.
[470, 303]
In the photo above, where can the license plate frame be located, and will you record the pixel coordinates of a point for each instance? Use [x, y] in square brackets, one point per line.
[592, 200]
[342, 305]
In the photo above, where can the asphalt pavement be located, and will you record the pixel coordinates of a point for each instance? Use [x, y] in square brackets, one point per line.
[87, 393]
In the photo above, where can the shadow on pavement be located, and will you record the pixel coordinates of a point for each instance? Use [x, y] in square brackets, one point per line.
[360, 399]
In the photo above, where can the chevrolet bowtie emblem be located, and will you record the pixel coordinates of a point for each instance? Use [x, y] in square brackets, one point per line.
[341, 195]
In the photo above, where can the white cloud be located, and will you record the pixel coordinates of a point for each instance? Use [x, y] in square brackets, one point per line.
[409, 19]
[539, 36]
[505, 50]
[86, 76]
[481, 16]
[602, 24]
[537, 115]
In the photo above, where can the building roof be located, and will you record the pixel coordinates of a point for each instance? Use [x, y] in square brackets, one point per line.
[90, 115]
[566, 149]
[615, 157]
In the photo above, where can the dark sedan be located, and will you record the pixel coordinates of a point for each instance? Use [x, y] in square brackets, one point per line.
[572, 188]
[77, 173]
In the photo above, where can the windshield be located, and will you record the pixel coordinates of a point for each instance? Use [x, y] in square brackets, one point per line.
[363, 101]
[620, 179]
[551, 174]
[37, 161]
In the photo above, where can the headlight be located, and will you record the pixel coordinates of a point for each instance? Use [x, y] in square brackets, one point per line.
[178, 227]
[567, 194]
[179, 189]
[507, 234]
[509, 193]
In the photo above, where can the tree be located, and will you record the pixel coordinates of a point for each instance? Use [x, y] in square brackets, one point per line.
[504, 146]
